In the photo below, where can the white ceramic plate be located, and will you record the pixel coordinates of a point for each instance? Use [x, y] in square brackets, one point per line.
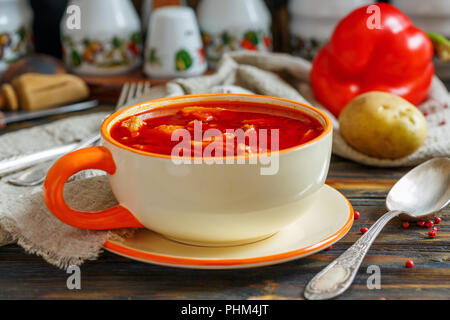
[324, 224]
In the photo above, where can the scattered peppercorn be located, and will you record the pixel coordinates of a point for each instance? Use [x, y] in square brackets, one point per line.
[436, 228]
[442, 122]
[328, 248]
[405, 224]
[409, 264]
[363, 230]
[437, 220]
[356, 215]
[429, 224]
[381, 298]
[421, 223]
[432, 234]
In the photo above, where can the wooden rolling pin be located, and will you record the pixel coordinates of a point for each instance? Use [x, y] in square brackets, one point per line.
[34, 91]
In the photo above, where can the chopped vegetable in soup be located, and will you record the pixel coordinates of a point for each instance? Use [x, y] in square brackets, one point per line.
[217, 129]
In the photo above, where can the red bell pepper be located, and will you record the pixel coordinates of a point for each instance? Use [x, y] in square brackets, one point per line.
[394, 57]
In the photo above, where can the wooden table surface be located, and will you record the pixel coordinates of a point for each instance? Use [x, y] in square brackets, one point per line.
[27, 276]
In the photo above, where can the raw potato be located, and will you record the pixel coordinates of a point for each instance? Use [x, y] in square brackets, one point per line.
[383, 125]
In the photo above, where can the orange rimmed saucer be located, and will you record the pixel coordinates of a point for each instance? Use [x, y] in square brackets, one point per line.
[327, 221]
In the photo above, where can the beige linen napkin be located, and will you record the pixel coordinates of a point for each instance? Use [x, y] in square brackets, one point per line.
[25, 219]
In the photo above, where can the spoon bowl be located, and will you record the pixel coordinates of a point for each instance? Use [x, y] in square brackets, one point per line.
[422, 191]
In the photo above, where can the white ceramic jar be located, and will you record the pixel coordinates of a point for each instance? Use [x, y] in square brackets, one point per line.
[234, 25]
[108, 40]
[147, 7]
[312, 22]
[430, 16]
[174, 46]
[15, 31]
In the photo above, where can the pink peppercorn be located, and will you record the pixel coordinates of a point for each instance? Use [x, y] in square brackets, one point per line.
[363, 230]
[429, 224]
[409, 264]
[356, 215]
[437, 220]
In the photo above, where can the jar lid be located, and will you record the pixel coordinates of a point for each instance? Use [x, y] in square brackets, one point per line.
[424, 8]
[218, 15]
[325, 8]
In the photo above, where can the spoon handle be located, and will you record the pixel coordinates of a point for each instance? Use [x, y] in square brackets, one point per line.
[339, 274]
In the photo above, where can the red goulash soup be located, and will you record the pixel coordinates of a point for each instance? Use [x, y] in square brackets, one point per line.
[152, 130]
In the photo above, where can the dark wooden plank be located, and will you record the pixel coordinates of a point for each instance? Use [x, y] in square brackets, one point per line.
[107, 89]
[28, 276]
[115, 277]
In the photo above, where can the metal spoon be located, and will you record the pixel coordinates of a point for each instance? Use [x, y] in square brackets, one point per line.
[421, 193]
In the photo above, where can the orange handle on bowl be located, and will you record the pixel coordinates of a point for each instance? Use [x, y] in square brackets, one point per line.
[89, 158]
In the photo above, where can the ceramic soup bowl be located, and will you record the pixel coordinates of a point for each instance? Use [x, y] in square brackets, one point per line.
[203, 203]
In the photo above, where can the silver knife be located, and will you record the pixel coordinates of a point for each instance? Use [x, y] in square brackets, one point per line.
[21, 162]
[36, 174]
[18, 116]
[17, 163]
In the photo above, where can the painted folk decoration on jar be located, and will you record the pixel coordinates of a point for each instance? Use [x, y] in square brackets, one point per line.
[312, 22]
[15, 31]
[174, 47]
[101, 37]
[234, 25]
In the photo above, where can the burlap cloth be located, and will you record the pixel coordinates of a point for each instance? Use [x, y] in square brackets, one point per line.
[25, 219]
